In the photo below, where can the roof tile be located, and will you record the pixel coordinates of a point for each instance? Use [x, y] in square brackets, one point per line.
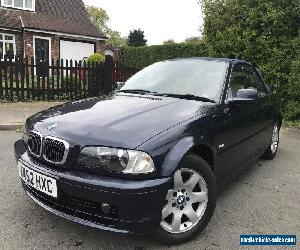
[68, 16]
[10, 19]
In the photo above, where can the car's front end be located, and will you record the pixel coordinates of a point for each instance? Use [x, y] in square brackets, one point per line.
[110, 203]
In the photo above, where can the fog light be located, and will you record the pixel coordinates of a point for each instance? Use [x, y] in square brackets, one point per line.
[105, 208]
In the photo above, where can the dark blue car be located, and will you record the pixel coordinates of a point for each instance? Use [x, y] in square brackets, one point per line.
[152, 156]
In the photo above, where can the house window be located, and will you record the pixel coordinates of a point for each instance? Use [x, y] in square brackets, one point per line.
[19, 4]
[7, 46]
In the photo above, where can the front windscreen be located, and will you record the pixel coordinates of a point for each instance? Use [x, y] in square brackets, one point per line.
[197, 77]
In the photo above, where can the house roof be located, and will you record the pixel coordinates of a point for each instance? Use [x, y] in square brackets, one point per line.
[68, 16]
[10, 19]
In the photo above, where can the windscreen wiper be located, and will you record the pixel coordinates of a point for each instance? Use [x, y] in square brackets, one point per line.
[188, 97]
[136, 91]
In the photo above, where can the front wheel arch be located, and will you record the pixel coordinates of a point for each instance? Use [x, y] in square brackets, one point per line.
[184, 147]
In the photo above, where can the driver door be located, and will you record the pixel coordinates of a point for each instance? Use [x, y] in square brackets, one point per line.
[244, 116]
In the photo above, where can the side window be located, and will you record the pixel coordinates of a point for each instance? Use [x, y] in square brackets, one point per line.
[242, 77]
[261, 86]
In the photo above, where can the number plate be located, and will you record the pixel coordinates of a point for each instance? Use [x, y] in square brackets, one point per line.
[42, 183]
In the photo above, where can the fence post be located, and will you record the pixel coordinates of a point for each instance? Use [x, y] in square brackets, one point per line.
[91, 79]
[108, 72]
[11, 79]
[71, 82]
[97, 81]
[5, 64]
[1, 81]
[27, 79]
[22, 68]
[85, 82]
[62, 79]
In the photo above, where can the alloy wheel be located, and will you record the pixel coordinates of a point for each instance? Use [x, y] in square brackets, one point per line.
[185, 203]
[275, 139]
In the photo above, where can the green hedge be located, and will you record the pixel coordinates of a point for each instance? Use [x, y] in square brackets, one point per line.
[292, 100]
[141, 57]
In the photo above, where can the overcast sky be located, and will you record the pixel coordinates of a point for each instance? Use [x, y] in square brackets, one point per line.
[160, 19]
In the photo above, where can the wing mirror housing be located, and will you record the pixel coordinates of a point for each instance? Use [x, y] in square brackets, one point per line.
[244, 96]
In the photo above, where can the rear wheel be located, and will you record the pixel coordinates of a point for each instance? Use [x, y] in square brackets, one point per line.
[190, 203]
[271, 151]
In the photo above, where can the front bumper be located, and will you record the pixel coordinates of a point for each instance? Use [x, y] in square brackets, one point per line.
[136, 204]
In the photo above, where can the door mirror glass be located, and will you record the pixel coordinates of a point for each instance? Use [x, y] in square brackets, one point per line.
[248, 94]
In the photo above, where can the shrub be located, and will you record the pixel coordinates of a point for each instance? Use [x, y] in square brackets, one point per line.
[96, 58]
[141, 57]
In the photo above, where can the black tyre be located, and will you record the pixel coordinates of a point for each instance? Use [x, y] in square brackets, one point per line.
[271, 151]
[191, 202]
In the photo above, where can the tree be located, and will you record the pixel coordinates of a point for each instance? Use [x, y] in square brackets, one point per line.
[136, 38]
[100, 19]
[169, 42]
[261, 31]
[193, 40]
[116, 40]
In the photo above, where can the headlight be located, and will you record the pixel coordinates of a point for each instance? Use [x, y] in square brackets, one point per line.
[117, 160]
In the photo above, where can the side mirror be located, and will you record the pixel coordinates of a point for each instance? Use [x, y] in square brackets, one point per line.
[247, 94]
[118, 85]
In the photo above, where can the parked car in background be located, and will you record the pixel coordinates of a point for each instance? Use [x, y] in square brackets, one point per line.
[151, 157]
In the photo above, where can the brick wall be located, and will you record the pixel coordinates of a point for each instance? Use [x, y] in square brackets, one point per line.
[19, 44]
[100, 47]
[55, 47]
[24, 43]
[28, 44]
